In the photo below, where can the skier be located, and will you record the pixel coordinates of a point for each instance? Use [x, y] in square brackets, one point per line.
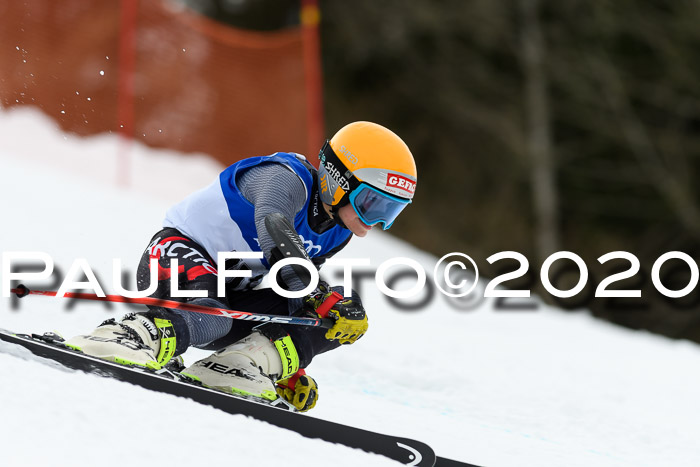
[366, 176]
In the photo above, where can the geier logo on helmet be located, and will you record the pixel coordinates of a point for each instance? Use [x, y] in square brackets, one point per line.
[401, 182]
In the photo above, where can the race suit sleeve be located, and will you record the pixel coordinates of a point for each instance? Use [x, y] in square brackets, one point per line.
[274, 188]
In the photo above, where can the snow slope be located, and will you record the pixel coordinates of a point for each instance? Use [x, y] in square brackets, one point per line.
[539, 388]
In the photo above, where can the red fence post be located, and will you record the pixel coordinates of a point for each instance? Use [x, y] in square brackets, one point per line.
[311, 50]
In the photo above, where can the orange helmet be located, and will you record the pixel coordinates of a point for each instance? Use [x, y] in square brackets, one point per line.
[370, 167]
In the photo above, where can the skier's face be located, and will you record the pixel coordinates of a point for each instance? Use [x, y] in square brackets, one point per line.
[349, 217]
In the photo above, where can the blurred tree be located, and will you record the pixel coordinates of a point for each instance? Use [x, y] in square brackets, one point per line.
[627, 112]
[536, 125]
[539, 134]
[445, 76]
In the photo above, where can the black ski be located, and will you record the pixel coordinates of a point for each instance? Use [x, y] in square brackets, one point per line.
[406, 451]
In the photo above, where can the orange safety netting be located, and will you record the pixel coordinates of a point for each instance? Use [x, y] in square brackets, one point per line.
[197, 85]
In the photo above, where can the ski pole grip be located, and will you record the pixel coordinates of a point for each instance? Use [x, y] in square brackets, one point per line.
[328, 303]
[327, 323]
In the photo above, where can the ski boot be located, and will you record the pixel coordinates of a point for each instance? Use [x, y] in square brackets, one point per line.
[136, 340]
[251, 366]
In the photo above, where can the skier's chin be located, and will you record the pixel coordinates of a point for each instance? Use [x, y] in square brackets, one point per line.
[361, 228]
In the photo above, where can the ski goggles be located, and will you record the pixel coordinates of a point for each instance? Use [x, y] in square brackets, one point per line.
[374, 206]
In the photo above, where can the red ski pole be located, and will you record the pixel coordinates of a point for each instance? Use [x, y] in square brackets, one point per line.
[23, 291]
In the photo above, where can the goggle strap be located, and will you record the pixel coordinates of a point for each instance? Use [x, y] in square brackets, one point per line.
[328, 154]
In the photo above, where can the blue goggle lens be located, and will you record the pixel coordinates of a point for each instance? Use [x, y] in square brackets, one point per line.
[374, 206]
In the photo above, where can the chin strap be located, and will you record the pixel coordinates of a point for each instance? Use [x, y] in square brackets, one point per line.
[336, 216]
[335, 210]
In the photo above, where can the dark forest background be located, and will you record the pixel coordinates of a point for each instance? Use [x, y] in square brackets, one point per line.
[537, 126]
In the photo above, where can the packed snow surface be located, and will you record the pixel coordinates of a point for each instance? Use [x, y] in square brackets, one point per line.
[529, 388]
